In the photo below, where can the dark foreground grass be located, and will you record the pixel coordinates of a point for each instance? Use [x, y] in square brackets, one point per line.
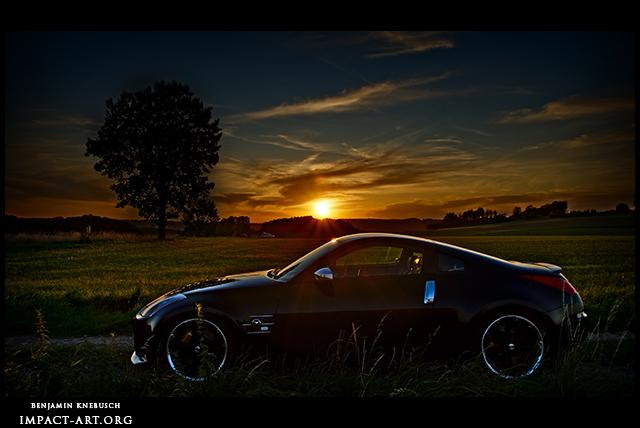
[596, 369]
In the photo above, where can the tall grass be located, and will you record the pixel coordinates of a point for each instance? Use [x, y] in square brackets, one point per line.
[598, 368]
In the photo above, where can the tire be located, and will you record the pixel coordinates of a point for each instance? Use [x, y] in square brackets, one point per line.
[197, 348]
[512, 344]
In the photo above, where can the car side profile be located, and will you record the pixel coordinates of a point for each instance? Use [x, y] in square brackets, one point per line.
[404, 292]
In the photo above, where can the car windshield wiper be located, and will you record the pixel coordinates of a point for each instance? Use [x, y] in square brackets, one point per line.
[273, 272]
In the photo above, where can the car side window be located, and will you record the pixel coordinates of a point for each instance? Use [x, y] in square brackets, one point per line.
[448, 263]
[379, 260]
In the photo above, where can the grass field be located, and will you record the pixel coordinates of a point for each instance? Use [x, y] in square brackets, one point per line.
[95, 288]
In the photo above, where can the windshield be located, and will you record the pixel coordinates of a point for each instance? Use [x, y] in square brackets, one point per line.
[303, 262]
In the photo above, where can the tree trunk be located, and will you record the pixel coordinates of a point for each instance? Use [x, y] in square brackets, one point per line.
[162, 227]
[162, 215]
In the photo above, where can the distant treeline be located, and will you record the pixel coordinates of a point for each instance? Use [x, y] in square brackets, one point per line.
[482, 216]
[308, 227]
[18, 225]
[296, 227]
[230, 226]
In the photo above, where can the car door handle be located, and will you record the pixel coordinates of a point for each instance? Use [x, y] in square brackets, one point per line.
[429, 292]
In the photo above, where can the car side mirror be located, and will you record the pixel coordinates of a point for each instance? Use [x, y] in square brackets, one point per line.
[323, 274]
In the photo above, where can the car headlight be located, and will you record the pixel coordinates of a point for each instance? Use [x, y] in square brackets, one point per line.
[158, 304]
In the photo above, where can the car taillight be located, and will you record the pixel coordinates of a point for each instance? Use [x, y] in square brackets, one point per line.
[555, 282]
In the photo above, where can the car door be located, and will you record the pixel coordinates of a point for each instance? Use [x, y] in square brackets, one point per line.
[386, 291]
[310, 317]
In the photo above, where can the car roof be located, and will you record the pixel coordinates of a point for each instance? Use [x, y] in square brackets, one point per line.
[480, 262]
[380, 235]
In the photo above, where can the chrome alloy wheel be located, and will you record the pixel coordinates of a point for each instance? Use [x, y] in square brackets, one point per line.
[512, 346]
[196, 349]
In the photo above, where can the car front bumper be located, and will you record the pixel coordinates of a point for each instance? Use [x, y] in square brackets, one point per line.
[144, 343]
[136, 359]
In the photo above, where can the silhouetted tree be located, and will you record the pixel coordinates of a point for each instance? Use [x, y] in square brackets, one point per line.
[158, 144]
[622, 207]
[234, 226]
[479, 213]
[451, 220]
[200, 218]
[467, 215]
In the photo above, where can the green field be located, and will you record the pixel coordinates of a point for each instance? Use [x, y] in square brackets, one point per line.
[95, 288]
[604, 224]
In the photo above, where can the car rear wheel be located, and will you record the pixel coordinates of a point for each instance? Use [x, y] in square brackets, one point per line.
[512, 345]
[197, 348]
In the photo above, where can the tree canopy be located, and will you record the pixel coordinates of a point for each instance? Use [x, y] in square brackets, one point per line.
[158, 144]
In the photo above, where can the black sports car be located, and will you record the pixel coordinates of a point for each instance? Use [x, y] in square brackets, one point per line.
[401, 292]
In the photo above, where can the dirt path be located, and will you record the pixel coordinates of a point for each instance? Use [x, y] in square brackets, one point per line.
[127, 341]
[32, 341]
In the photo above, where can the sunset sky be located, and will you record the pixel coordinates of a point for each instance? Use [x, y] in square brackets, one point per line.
[339, 124]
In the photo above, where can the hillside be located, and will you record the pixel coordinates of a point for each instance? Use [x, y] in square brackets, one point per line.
[595, 224]
[16, 225]
[388, 225]
[308, 227]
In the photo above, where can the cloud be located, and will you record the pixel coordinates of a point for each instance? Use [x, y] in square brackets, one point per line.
[384, 43]
[249, 200]
[571, 107]
[365, 98]
[504, 204]
[356, 175]
[409, 42]
[292, 143]
[609, 140]
[56, 118]
[69, 182]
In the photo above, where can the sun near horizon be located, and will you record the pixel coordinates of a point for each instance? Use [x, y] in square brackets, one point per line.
[323, 209]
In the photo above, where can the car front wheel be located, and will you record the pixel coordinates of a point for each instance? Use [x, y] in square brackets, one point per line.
[197, 348]
[512, 345]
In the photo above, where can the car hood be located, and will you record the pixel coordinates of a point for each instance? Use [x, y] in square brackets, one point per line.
[244, 280]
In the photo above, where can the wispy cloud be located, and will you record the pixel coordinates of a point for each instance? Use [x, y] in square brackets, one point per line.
[409, 42]
[572, 107]
[609, 139]
[74, 120]
[365, 98]
[289, 142]
[68, 183]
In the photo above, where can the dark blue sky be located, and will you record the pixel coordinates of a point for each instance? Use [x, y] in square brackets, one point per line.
[386, 125]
